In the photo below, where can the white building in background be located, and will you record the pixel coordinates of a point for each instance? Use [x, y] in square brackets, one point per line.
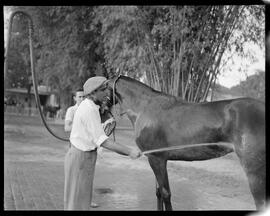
[18, 97]
[52, 99]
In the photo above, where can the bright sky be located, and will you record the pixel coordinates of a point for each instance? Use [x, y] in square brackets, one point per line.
[229, 78]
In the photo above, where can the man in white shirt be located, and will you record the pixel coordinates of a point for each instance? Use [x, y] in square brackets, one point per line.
[86, 136]
[78, 97]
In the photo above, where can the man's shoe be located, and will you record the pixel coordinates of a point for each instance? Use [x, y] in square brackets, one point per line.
[94, 205]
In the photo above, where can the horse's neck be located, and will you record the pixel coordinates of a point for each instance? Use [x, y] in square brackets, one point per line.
[137, 96]
[134, 97]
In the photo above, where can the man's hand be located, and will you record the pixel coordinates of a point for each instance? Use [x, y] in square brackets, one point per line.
[135, 153]
[109, 126]
[121, 149]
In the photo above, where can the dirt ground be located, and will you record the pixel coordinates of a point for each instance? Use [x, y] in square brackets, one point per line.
[34, 175]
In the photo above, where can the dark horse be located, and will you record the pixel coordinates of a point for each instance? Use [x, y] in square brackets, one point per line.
[162, 120]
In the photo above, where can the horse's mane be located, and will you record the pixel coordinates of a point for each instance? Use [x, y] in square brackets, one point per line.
[144, 86]
[147, 88]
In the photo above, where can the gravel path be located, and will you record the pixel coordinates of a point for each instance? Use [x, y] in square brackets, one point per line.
[34, 175]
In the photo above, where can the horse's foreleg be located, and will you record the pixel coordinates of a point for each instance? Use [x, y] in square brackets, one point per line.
[163, 192]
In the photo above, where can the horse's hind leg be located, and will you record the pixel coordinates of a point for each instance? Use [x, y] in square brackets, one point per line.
[251, 151]
[163, 192]
[160, 202]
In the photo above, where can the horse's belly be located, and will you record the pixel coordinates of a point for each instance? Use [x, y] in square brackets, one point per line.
[200, 153]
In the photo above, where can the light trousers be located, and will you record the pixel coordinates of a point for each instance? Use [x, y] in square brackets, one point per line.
[79, 175]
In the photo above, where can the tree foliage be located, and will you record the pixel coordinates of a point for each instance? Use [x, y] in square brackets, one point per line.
[18, 62]
[178, 48]
[67, 52]
[253, 86]
[175, 49]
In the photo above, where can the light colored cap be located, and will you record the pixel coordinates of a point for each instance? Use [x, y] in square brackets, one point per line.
[93, 83]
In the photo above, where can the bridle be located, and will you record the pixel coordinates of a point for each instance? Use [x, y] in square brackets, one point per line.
[114, 95]
[111, 121]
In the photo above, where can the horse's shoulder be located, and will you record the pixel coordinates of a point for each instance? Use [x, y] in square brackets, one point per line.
[144, 120]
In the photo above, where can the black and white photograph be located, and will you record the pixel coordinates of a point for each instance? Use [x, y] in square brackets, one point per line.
[135, 108]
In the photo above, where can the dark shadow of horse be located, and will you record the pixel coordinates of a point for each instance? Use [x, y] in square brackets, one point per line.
[161, 120]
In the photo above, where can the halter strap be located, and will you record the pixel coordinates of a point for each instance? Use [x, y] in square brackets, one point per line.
[114, 95]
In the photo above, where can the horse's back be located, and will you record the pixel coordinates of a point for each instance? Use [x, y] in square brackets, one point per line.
[170, 123]
[189, 118]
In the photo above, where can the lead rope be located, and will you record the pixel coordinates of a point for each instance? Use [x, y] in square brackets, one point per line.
[224, 144]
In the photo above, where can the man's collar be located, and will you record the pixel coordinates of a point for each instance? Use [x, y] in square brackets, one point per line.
[92, 102]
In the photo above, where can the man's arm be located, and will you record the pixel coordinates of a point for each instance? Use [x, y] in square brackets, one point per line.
[68, 125]
[94, 127]
[68, 120]
[121, 149]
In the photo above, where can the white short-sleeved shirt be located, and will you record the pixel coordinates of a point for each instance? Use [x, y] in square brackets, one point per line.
[87, 132]
[70, 112]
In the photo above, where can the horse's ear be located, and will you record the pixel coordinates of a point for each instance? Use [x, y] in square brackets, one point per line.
[113, 78]
[112, 75]
[115, 73]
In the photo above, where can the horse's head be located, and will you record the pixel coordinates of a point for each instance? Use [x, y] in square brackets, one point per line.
[123, 90]
[112, 96]
[111, 99]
